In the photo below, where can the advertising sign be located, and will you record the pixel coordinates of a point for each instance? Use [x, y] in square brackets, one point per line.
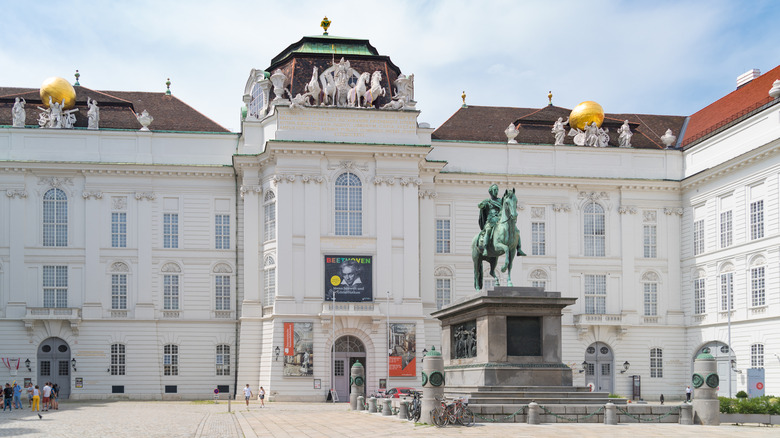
[349, 278]
[755, 377]
[298, 349]
[403, 350]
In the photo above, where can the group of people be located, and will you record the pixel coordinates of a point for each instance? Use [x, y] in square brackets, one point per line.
[248, 395]
[38, 399]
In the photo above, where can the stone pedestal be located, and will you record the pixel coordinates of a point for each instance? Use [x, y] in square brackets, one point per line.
[685, 414]
[706, 407]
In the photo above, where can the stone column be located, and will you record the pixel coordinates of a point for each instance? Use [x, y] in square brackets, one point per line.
[144, 308]
[706, 407]
[92, 306]
[19, 222]
[433, 383]
[358, 381]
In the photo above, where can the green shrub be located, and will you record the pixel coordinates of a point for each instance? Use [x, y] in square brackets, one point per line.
[742, 394]
[726, 405]
[759, 405]
[615, 396]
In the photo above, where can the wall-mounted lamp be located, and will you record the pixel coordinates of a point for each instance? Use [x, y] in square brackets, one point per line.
[73, 364]
[626, 365]
[27, 364]
[277, 351]
[584, 365]
[425, 351]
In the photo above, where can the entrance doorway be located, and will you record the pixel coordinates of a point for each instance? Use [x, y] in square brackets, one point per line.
[54, 365]
[599, 364]
[349, 350]
[723, 357]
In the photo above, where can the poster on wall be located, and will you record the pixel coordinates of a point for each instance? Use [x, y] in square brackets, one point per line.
[402, 350]
[349, 278]
[298, 349]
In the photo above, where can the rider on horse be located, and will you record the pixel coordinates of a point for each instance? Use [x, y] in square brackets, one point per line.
[489, 213]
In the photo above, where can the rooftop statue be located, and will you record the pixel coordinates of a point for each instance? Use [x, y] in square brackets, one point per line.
[624, 135]
[93, 114]
[595, 136]
[404, 94]
[55, 117]
[313, 87]
[376, 89]
[511, 132]
[277, 79]
[356, 96]
[145, 119]
[559, 131]
[499, 235]
[335, 83]
[668, 139]
[19, 114]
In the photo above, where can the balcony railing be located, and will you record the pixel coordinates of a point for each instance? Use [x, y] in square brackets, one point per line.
[53, 313]
[598, 319]
[351, 308]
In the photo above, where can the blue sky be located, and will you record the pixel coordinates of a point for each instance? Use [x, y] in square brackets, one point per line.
[659, 57]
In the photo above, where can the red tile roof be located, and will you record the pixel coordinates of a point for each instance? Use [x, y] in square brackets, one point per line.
[730, 107]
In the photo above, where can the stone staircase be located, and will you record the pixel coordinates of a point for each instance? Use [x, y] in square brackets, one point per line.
[544, 395]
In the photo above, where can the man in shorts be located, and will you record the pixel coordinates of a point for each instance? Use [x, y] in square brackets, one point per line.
[46, 397]
[247, 395]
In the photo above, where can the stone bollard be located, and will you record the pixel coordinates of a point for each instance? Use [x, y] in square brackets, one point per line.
[685, 414]
[706, 407]
[361, 403]
[533, 413]
[433, 383]
[372, 405]
[387, 409]
[358, 382]
[403, 410]
[610, 413]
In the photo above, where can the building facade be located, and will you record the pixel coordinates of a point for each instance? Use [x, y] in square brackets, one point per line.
[163, 264]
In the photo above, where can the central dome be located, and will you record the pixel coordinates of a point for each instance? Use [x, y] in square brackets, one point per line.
[585, 113]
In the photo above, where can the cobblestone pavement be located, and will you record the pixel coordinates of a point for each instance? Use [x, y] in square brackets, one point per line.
[298, 420]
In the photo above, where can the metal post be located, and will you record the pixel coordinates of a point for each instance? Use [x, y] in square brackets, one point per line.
[388, 341]
[728, 295]
[333, 351]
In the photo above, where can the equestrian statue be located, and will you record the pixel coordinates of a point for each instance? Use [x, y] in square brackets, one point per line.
[499, 235]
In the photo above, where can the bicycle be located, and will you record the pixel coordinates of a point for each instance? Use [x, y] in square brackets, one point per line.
[456, 412]
[415, 407]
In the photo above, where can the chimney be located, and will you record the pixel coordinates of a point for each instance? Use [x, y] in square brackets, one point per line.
[748, 76]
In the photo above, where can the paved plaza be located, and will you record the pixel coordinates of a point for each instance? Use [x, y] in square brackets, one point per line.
[297, 420]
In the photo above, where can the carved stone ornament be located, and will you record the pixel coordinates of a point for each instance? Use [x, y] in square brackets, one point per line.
[379, 180]
[283, 178]
[93, 114]
[561, 207]
[623, 209]
[278, 79]
[247, 189]
[15, 193]
[119, 203]
[649, 215]
[537, 212]
[410, 181]
[428, 194]
[774, 92]
[624, 135]
[92, 195]
[19, 113]
[223, 268]
[404, 94]
[593, 196]
[559, 131]
[464, 340]
[511, 133]
[55, 116]
[538, 274]
[668, 139]
[119, 267]
[56, 182]
[676, 210]
[145, 119]
[171, 267]
[317, 179]
[149, 196]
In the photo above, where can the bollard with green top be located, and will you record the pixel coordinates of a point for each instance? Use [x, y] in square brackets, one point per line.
[705, 380]
[433, 383]
[358, 382]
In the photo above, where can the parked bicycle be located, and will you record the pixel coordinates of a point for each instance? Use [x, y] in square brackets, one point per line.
[415, 407]
[456, 412]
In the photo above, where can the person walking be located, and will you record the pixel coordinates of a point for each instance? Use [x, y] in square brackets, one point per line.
[247, 395]
[261, 393]
[46, 396]
[36, 403]
[688, 394]
[17, 395]
[8, 397]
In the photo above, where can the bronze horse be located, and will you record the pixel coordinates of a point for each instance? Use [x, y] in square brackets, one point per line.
[505, 240]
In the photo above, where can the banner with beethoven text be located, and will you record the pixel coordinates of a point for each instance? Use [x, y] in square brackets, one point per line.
[299, 349]
[349, 278]
[403, 350]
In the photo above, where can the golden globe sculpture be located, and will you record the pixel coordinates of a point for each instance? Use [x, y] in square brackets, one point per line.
[58, 89]
[585, 113]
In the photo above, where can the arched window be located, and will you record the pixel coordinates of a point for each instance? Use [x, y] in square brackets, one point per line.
[269, 216]
[117, 360]
[594, 230]
[171, 360]
[348, 205]
[223, 360]
[269, 280]
[650, 286]
[55, 218]
[443, 287]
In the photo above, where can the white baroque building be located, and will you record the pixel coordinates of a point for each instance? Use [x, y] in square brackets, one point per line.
[162, 264]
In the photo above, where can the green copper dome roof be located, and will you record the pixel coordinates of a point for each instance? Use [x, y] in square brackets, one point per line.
[326, 44]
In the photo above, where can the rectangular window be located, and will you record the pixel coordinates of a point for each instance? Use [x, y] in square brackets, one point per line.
[269, 227]
[443, 292]
[650, 242]
[757, 356]
[118, 230]
[223, 360]
[539, 283]
[699, 297]
[171, 292]
[45, 368]
[757, 286]
[596, 294]
[538, 238]
[656, 363]
[269, 284]
[171, 360]
[222, 231]
[55, 286]
[63, 368]
[725, 229]
[222, 292]
[442, 236]
[756, 220]
[698, 237]
[171, 230]
[651, 299]
[117, 360]
[726, 291]
[590, 369]
[119, 291]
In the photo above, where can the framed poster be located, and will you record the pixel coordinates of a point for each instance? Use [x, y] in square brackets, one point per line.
[298, 349]
[382, 383]
[403, 350]
[317, 383]
[349, 278]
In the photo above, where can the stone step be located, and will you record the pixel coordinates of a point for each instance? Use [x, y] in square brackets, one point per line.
[543, 401]
[524, 388]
